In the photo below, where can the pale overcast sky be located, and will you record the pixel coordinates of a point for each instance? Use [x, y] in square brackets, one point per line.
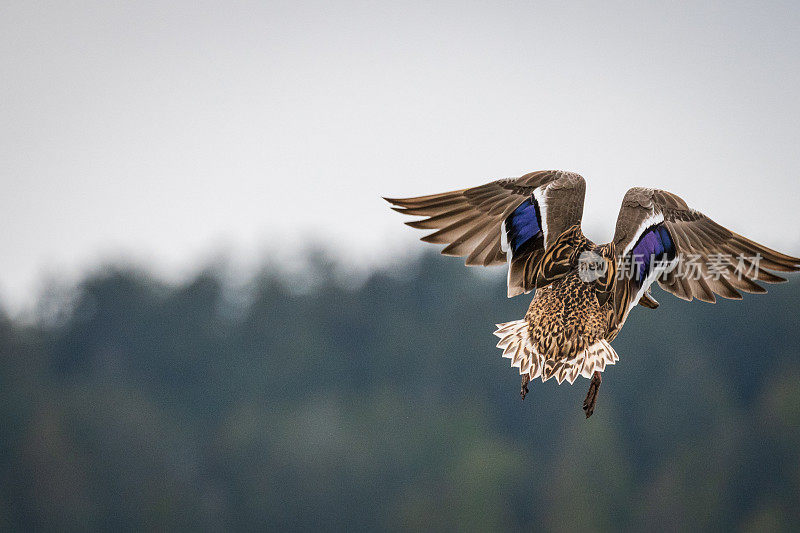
[165, 132]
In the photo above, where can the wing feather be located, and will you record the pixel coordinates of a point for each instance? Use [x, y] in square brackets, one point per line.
[726, 262]
[468, 221]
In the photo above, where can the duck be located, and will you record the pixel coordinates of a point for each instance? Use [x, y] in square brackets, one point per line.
[584, 292]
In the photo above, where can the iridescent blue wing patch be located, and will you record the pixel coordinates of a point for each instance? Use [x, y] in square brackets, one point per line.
[523, 225]
[655, 247]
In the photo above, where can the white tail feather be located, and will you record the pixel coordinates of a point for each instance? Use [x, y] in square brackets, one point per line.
[515, 341]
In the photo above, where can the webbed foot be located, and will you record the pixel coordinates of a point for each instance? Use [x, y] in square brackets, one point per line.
[523, 391]
[591, 396]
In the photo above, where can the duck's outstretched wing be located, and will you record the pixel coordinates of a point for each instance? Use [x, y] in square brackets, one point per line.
[658, 237]
[509, 220]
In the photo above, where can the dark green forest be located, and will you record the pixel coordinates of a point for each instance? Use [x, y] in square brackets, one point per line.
[131, 403]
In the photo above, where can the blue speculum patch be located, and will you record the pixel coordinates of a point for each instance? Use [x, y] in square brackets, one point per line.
[523, 224]
[654, 245]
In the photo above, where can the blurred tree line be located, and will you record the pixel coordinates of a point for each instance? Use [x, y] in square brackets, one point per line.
[132, 403]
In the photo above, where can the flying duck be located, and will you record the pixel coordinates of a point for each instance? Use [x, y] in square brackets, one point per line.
[584, 291]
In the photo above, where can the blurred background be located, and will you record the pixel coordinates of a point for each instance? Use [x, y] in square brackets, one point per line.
[210, 320]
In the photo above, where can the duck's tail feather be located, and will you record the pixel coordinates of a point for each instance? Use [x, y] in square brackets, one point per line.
[595, 357]
[515, 341]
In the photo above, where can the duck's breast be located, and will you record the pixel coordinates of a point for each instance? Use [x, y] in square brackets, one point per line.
[566, 317]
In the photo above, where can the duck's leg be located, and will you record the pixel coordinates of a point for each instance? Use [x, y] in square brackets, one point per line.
[524, 387]
[591, 396]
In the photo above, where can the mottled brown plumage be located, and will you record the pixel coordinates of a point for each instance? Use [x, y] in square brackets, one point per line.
[582, 298]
